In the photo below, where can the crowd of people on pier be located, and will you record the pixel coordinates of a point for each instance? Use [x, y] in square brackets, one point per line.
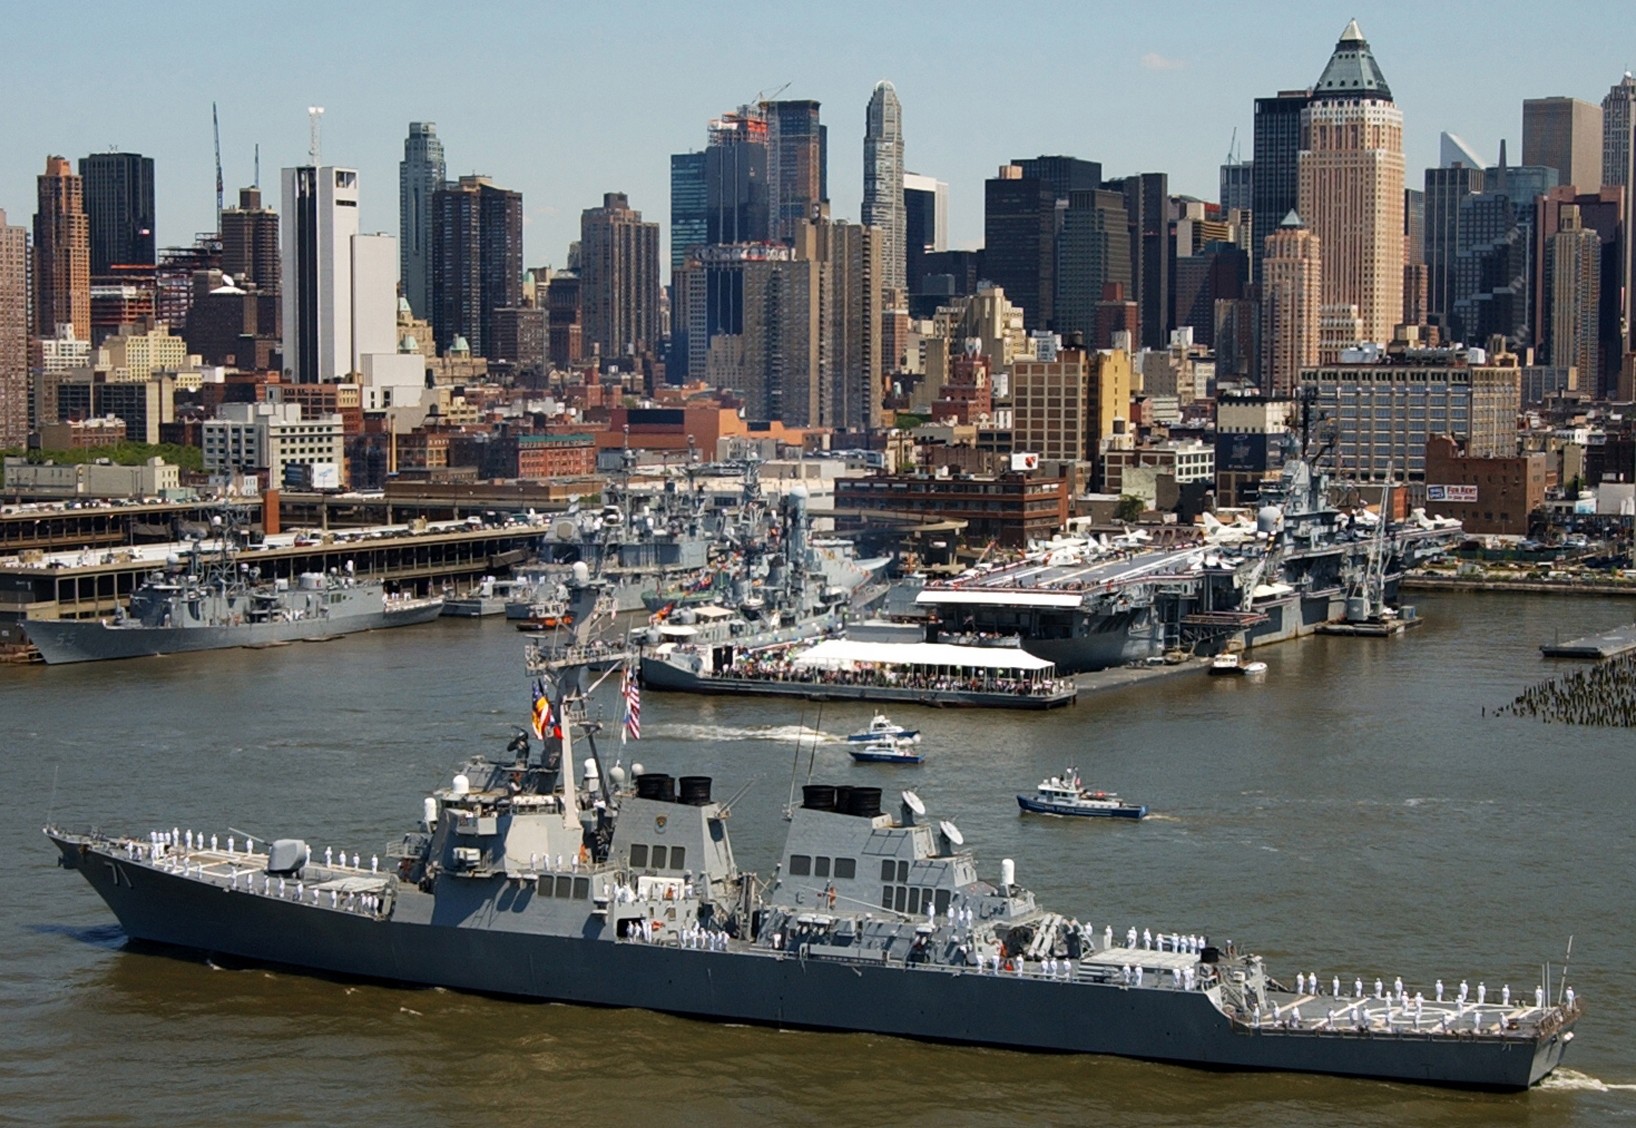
[1604, 695]
[769, 665]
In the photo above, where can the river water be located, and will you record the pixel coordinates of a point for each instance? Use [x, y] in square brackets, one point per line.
[1353, 813]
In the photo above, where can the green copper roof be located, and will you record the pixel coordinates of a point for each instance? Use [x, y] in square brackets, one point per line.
[1352, 72]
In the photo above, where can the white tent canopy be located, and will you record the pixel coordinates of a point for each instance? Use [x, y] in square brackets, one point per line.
[839, 652]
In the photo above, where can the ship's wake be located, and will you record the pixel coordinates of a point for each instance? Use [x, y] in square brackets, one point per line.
[785, 734]
[1573, 1081]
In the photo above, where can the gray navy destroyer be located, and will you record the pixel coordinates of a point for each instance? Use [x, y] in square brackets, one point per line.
[213, 600]
[522, 880]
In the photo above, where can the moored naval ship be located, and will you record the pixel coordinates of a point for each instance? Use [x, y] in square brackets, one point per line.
[212, 601]
[520, 880]
[1087, 605]
[779, 591]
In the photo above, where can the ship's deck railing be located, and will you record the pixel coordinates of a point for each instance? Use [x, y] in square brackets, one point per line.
[1388, 1016]
[343, 888]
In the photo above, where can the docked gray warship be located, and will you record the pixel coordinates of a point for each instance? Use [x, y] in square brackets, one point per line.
[213, 600]
[520, 880]
[778, 590]
[1087, 605]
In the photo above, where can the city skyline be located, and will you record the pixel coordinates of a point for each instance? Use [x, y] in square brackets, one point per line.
[1159, 92]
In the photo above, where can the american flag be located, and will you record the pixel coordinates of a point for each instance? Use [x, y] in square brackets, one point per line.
[632, 693]
[543, 722]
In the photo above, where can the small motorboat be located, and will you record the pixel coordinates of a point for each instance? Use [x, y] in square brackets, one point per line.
[887, 750]
[1066, 795]
[1232, 665]
[882, 728]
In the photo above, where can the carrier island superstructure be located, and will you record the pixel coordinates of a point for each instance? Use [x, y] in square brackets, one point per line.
[1087, 606]
[521, 880]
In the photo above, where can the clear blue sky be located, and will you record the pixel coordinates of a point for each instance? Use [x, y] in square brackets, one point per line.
[566, 101]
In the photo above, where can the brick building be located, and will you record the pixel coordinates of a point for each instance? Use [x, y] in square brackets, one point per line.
[556, 456]
[1487, 495]
[1011, 509]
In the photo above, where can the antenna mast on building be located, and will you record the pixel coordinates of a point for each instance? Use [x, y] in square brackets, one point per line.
[257, 182]
[216, 128]
[314, 115]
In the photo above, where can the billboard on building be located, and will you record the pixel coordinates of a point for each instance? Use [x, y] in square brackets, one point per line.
[1451, 493]
[1025, 462]
[1242, 454]
[312, 476]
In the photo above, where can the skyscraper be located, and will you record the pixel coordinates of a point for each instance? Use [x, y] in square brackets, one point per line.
[689, 206]
[1619, 169]
[1238, 185]
[1490, 272]
[1604, 213]
[883, 181]
[13, 335]
[1576, 280]
[1351, 184]
[925, 224]
[339, 287]
[250, 241]
[1019, 241]
[477, 262]
[852, 359]
[1291, 298]
[735, 177]
[797, 164]
[119, 208]
[619, 278]
[1460, 175]
[1092, 250]
[1147, 206]
[1564, 134]
[1063, 175]
[1274, 183]
[1619, 132]
[62, 253]
[420, 174]
[752, 318]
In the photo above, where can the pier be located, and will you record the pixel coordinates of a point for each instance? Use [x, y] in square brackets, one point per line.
[1608, 644]
[1603, 695]
[94, 582]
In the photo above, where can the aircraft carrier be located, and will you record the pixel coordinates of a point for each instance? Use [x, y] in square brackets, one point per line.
[1089, 604]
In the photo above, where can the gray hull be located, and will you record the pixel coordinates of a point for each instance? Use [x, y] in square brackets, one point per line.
[61, 641]
[484, 937]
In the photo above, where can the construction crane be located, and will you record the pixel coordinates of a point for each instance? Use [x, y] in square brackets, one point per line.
[763, 99]
[216, 127]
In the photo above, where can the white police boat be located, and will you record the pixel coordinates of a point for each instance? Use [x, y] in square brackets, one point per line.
[1066, 795]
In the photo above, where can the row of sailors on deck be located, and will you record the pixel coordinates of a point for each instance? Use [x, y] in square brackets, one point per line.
[352, 902]
[1308, 984]
[1049, 968]
[623, 894]
[535, 859]
[160, 842]
[1181, 978]
[1174, 942]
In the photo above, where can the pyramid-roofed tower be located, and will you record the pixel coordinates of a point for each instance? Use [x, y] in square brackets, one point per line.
[1352, 72]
